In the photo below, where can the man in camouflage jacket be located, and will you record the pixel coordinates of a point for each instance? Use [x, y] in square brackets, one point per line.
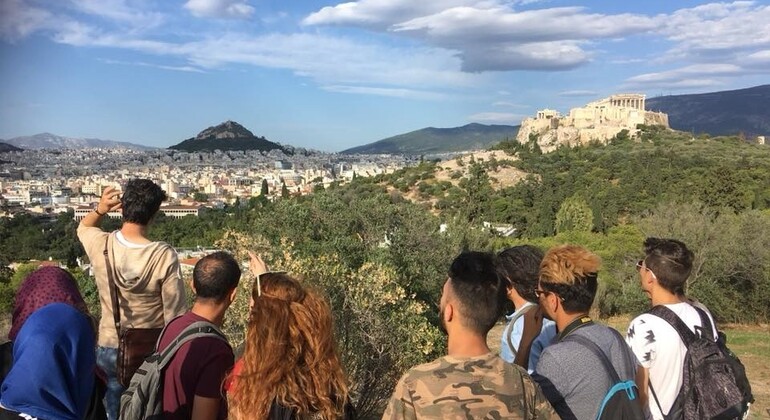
[470, 382]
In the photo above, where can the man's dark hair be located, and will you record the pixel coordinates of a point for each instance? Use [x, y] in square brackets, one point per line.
[670, 261]
[479, 288]
[215, 276]
[141, 200]
[520, 266]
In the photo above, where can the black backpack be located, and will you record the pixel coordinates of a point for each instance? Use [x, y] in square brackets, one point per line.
[714, 382]
[143, 399]
[622, 399]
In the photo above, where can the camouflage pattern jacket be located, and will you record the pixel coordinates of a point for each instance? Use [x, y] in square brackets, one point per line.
[482, 387]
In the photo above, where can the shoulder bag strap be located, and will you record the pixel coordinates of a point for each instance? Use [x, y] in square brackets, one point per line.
[195, 330]
[594, 348]
[509, 329]
[111, 284]
[687, 336]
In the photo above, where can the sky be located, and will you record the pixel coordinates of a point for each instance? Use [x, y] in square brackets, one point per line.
[330, 75]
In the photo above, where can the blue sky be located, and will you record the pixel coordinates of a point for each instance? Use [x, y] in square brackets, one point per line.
[330, 75]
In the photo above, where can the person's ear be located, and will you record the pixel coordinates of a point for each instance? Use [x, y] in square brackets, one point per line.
[448, 313]
[192, 286]
[233, 293]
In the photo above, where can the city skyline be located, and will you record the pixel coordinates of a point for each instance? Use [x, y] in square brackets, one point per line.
[329, 75]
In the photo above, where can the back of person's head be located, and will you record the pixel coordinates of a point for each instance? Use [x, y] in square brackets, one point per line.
[670, 261]
[478, 289]
[521, 267]
[290, 354]
[215, 276]
[140, 201]
[570, 271]
[42, 287]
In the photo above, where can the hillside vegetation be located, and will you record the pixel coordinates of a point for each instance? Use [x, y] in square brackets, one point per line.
[440, 140]
[718, 113]
[381, 257]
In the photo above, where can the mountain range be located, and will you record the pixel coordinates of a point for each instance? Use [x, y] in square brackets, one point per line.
[440, 140]
[716, 113]
[53, 141]
[228, 136]
[727, 112]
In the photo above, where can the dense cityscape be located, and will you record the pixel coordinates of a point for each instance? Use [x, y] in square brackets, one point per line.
[49, 182]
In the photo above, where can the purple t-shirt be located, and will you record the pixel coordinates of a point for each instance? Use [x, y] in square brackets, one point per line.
[198, 368]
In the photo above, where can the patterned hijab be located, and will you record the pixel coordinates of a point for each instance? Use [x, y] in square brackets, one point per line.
[42, 287]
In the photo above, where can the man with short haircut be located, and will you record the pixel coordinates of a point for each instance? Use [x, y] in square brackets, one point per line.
[192, 380]
[663, 275]
[470, 382]
[146, 273]
[572, 377]
[520, 266]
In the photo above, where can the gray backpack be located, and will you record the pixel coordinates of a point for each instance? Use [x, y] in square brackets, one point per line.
[711, 382]
[143, 399]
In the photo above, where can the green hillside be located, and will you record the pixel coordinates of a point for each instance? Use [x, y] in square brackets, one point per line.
[440, 140]
[718, 113]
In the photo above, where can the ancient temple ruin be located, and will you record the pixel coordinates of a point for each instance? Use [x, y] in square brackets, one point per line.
[599, 120]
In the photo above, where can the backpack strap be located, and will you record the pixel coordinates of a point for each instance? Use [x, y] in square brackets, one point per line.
[707, 330]
[195, 330]
[594, 348]
[687, 336]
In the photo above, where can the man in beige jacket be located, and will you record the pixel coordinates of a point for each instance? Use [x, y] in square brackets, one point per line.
[146, 273]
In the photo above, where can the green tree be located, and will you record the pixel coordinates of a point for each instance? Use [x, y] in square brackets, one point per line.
[574, 215]
[264, 190]
[284, 191]
[478, 193]
[200, 197]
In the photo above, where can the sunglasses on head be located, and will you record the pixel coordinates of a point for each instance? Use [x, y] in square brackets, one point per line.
[259, 283]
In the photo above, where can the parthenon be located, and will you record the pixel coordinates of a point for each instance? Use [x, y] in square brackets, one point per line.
[627, 100]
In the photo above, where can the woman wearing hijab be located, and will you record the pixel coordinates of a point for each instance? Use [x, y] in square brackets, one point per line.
[54, 363]
[52, 376]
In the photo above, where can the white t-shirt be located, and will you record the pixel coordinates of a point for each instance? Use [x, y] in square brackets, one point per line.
[659, 349]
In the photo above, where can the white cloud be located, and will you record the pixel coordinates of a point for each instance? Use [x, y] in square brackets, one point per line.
[391, 92]
[187, 69]
[509, 104]
[716, 29]
[497, 118]
[577, 93]
[119, 11]
[18, 20]
[378, 13]
[694, 76]
[490, 35]
[221, 9]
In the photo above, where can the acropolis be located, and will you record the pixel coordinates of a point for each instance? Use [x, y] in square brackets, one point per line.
[599, 120]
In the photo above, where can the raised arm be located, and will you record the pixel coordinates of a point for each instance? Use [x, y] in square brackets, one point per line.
[109, 201]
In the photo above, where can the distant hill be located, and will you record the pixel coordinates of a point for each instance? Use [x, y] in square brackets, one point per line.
[5, 147]
[440, 140]
[53, 141]
[228, 136]
[718, 113]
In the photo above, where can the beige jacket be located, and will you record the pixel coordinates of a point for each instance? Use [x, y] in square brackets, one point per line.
[149, 281]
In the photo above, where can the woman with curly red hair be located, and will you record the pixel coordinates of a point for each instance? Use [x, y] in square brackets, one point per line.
[290, 368]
